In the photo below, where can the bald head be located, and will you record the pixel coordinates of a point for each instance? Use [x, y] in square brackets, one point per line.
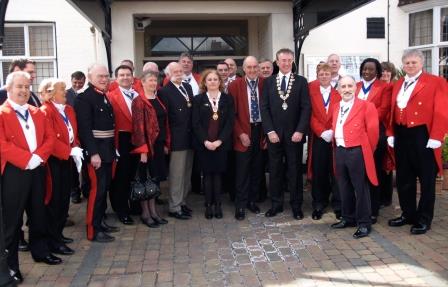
[98, 76]
[176, 72]
[150, 66]
[250, 67]
[347, 88]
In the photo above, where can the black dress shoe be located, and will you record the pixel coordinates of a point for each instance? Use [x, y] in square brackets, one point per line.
[66, 240]
[103, 237]
[273, 212]
[63, 250]
[126, 219]
[16, 276]
[240, 214]
[178, 215]
[317, 214]
[50, 259]
[420, 228]
[186, 209]
[253, 207]
[374, 219]
[150, 224]
[399, 221]
[109, 228]
[218, 211]
[208, 214]
[23, 245]
[159, 220]
[297, 214]
[362, 231]
[69, 223]
[342, 224]
[338, 214]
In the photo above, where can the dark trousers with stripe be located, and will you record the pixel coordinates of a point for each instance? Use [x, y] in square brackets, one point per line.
[57, 208]
[414, 160]
[100, 180]
[19, 189]
[323, 182]
[292, 152]
[249, 170]
[124, 173]
[353, 185]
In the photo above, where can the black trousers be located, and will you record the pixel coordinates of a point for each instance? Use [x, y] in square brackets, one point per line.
[353, 185]
[414, 160]
[249, 167]
[57, 208]
[292, 152]
[100, 180]
[375, 191]
[19, 188]
[124, 173]
[212, 188]
[323, 182]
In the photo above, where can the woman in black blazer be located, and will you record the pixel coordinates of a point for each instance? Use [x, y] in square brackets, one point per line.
[213, 117]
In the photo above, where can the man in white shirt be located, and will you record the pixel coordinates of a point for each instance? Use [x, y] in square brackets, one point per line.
[193, 79]
[232, 69]
[335, 63]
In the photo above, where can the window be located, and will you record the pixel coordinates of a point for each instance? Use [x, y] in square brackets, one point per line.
[35, 41]
[375, 28]
[444, 24]
[443, 62]
[428, 61]
[420, 28]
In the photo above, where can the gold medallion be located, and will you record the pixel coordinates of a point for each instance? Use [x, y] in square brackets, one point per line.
[215, 116]
[189, 104]
[284, 106]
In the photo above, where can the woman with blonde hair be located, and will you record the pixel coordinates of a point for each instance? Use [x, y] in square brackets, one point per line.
[213, 118]
[66, 152]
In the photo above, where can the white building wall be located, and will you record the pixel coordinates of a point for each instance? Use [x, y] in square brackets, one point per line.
[77, 46]
[347, 35]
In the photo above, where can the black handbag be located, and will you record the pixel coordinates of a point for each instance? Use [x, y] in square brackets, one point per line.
[143, 190]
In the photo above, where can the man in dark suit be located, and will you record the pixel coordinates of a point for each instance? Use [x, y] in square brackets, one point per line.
[177, 97]
[78, 80]
[285, 110]
[96, 133]
[248, 138]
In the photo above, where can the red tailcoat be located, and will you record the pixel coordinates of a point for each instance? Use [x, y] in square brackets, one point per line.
[196, 76]
[361, 128]
[13, 145]
[238, 90]
[321, 120]
[122, 115]
[426, 106]
[380, 96]
[62, 147]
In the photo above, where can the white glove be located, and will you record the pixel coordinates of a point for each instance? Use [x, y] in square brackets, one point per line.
[76, 152]
[391, 141]
[433, 144]
[327, 135]
[34, 162]
[117, 153]
[78, 162]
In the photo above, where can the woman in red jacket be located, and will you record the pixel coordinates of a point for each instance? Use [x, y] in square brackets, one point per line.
[151, 137]
[65, 153]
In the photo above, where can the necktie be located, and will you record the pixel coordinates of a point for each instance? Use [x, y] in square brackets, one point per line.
[283, 85]
[254, 110]
[182, 89]
[129, 94]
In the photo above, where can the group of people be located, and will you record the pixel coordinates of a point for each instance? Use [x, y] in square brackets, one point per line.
[217, 128]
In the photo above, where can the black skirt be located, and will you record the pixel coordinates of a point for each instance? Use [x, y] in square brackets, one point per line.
[213, 161]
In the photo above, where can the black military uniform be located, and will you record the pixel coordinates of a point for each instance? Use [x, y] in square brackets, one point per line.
[96, 134]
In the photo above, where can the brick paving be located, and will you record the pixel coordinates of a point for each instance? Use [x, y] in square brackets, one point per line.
[258, 251]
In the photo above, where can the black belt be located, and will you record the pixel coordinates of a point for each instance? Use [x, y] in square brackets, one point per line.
[257, 124]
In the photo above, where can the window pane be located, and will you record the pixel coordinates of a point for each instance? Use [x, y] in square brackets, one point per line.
[5, 69]
[443, 62]
[43, 70]
[41, 40]
[420, 28]
[14, 44]
[444, 24]
[428, 61]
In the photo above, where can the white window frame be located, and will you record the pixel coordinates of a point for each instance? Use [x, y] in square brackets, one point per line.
[27, 55]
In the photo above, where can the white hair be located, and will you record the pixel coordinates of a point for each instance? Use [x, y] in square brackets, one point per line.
[346, 76]
[10, 78]
[93, 66]
[413, 53]
[150, 66]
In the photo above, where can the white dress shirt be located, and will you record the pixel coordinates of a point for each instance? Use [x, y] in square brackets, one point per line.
[342, 117]
[325, 92]
[30, 132]
[250, 102]
[127, 100]
[61, 110]
[334, 81]
[366, 84]
[280, 74]
[404, 95]
[192, 81]
[231, 79]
